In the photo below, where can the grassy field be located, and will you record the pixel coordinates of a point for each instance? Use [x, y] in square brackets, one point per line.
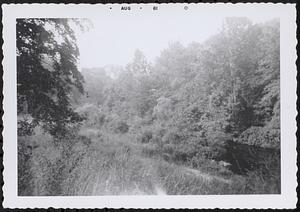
[115, 166]
[99, 163]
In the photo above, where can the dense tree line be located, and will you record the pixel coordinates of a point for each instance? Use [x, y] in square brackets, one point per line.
[205, 100]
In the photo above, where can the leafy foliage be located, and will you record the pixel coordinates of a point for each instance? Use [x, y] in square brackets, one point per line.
[47, 72]
[195, 99]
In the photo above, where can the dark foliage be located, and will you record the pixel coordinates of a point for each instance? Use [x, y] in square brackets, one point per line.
[47, 73]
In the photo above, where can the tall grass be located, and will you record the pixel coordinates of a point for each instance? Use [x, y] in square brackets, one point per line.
[43, 162]
[114, 168]
[111, 164]
[109, 171]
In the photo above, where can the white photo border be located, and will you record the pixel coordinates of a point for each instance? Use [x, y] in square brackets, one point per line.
[288, 85]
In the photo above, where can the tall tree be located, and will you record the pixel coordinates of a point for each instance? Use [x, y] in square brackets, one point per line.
[47, 73]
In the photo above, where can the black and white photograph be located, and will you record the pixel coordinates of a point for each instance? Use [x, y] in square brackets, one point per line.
[150, 100]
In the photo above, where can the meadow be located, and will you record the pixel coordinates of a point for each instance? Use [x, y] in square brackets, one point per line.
[104, 163]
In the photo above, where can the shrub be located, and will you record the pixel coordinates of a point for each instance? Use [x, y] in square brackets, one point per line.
[25, 128]
[25, 176]
[261, 136]
[257, 182]
[173, 136]
[44, 161]
[150, 150]
[101, 119]
[92, 114]
[121, 127]
[86, 135]
[146, 136]
[36, 165]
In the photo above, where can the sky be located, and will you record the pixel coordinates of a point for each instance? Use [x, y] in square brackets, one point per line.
[116, 34]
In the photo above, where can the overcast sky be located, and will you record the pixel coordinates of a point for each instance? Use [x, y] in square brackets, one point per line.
[117, 34]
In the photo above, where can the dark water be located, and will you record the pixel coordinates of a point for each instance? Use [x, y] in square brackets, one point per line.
[244, 158]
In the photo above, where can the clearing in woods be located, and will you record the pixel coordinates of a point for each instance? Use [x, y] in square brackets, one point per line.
[115, 165]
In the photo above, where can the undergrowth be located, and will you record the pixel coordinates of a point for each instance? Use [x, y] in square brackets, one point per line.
[111, 164]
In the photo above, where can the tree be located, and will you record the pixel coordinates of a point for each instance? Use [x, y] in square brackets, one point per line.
[47, 73]
[135, 84]
[140, 65]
